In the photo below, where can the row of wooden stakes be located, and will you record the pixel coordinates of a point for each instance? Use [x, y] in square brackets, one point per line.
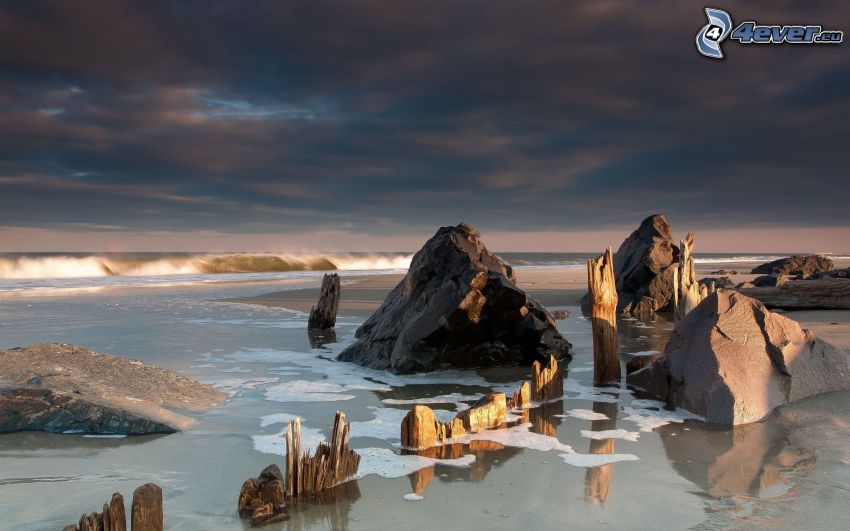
[146, 513]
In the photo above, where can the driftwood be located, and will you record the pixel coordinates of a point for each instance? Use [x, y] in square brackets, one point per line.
[603, 307]
[147, 508]
[522, 396]
[825, 294]
[323, 315]
[147, 503]
[420, 428]
[332, 463]
[547, 381]
[687, 292]
[262, 499]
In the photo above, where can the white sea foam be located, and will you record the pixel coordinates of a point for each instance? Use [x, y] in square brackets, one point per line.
[644, 353]
[386, 463]
[593, 460]
[584, 414]
[611, 434]
[276, 418]
[307, 391]
[458, 399]
[231, 386]
[649, 419]
[593, 394]
[413, 497]
[276, 443]
[235, 370]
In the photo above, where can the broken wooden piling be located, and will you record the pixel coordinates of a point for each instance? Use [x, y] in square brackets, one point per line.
[602, 292]
[547, 381]
[323, 315]
[687, 292]
[331, 464]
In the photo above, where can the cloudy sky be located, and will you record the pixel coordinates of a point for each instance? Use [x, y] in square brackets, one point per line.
[361, 125]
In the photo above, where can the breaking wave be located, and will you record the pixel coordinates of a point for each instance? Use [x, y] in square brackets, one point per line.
[91, 266]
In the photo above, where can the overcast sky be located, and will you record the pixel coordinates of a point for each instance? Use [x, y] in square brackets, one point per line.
[290, 125]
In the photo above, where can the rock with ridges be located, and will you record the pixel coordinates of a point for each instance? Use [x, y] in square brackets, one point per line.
[644, 266]
[458, 305]
[65, 388]
[804, 265]
[733, 361]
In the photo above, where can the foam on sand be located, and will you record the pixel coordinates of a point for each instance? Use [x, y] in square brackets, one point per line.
[386, 463]
[275, 444]
[584, 414]
[232, 386]
[307, 391]
[413, 497]
[593, 460]
[611, 434]
[649, 419]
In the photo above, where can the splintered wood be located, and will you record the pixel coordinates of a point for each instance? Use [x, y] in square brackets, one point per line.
[332, 463]
[603, 309]
[323, 315]
[522, 396]
[687, 292]
[146, 514]
[420, 428]
[547, 381]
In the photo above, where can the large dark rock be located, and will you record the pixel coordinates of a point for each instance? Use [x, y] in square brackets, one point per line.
[733, 361]
[65, 388]
[458, 305]
[644, 266]
[834, 273]
[769, 281]
[803, 265]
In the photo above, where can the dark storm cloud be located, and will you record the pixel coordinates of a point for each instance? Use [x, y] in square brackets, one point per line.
[387, 116]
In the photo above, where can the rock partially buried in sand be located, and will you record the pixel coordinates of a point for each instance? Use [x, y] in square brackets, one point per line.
[65, 388]
[458, 305]
[733, 361]
[803, 265]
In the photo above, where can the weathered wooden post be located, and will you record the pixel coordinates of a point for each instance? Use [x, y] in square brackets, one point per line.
[147, 508]
[688, 293]
[547, 381]
[602, 293]
[323, 315]
[332, 462]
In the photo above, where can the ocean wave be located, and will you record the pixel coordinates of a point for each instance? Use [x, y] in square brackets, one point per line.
[94, 266]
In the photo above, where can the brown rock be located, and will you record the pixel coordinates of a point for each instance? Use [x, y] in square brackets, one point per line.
[272, 492]
[487, 412]
[458, 305]
[803, 265]
[147, 508]
[733, 361]
[250, 491]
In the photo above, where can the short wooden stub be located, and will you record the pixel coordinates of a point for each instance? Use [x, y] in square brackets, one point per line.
[323, 315]
[602, 291]
[687, 292]
[421, 430]
[113, 518]
[332, 463]
[522, 396]
[547, 381]
[146, 514]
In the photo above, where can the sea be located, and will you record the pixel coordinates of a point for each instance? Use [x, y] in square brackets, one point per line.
[602, 458]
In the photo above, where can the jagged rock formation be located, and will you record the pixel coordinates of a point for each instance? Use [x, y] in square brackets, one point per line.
[802, 265]
[458, 305]
[65, 388]
[644, 266]
[733, 361]
[323, 315]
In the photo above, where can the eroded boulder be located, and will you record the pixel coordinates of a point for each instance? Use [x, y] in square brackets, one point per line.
[457, 306]
[644, 266]
[733, 361]
[802, 265]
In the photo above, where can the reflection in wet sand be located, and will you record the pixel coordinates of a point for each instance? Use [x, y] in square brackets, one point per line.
[328, 509]
[319, 338]
[746, 460]
[597, 480]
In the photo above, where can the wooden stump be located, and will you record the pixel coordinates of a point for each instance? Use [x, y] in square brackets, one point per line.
[602, 292]
[112, 518]
[419, 428]
[522, 396]
[687, 292]
[331, 464]
[323, 315]
[547, 381]
[147, 508]
[488, 412]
